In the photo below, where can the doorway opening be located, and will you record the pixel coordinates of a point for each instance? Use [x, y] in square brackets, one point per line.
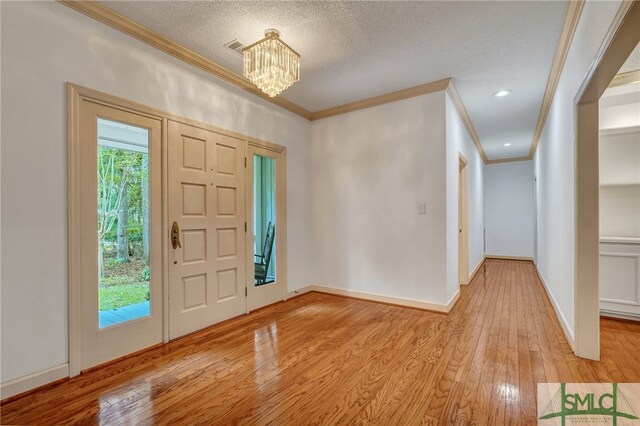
[621, 42]
[619, 163]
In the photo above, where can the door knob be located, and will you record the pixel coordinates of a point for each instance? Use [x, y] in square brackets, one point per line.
[175, 236]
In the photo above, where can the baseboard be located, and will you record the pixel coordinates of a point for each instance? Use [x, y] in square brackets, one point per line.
[610, 313]
[501, 257]
[476, 269]
[300, 291]
[372, 297]
[32, 381]
[454, 299]
[568, 333]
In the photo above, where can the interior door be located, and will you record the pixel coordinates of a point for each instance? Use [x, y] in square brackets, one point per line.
[207, 220]
[120, 250]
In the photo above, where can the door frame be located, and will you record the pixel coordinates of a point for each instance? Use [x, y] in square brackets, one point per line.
[463, 232]
[620, 41]
[280, 154]
[75, 95]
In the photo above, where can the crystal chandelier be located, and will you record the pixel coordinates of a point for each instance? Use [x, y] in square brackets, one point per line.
[270, 64]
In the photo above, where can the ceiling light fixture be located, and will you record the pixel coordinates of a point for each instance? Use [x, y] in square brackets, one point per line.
[501, 93]
[507, 144]
[270, 64]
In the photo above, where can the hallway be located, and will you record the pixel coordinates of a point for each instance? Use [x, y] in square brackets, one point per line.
[325, 359]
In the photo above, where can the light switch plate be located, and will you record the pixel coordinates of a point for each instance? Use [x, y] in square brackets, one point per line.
[422, 208]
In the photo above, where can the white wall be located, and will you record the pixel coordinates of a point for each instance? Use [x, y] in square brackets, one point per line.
[508, 198]
[459, 141]
[370, 171]
[45, 45]
[554, 163]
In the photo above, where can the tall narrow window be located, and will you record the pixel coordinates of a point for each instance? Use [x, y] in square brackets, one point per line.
[123, 223]
[264, 216]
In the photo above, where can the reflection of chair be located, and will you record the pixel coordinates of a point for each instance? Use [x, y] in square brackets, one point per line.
[262, 266]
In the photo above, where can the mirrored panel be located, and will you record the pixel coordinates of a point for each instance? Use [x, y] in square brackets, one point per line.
[264, 219]
[123, 223]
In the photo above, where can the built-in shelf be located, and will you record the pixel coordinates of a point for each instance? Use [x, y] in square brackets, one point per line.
[620, 240]
[619, 184]
[619, 130]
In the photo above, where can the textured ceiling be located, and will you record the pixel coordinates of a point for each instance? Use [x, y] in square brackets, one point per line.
[355, 50]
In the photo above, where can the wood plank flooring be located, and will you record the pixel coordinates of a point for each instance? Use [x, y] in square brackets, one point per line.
[323, 359]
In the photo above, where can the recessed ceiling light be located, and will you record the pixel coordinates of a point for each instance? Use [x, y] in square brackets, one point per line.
[507, 144]
[501, 93]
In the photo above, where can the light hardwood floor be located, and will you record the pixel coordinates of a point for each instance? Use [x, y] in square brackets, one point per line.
[325, 359]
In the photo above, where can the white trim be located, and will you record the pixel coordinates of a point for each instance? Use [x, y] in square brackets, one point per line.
[165, 225]
[454, 299]
[619, 130]
[621, 302]
[620, 240]
[502, 257]
[34, 380]
[73, 228]
[568, 332]
[619, 314]
[302, 290]
[636, 256]
[475, 270]
[411, 303]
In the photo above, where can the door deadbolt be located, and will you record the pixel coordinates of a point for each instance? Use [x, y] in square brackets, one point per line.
[175, 236]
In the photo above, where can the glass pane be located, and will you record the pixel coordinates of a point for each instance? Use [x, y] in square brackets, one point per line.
[123, 223]
[264, 219]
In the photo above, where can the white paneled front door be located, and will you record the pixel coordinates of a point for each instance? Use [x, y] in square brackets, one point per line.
[207, 225]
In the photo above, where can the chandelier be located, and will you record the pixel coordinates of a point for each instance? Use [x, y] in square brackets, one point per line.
[270, 64]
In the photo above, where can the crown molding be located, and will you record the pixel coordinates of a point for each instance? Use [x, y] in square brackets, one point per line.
[103, 14]
[445, 84]
[423, 89]
[629, 77]
[121, 23]
[462, 111]
[574, 10]
[508, 160]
